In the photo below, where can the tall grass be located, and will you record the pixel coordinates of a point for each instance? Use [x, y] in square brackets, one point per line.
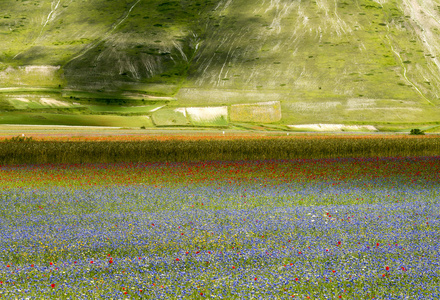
[35, 152]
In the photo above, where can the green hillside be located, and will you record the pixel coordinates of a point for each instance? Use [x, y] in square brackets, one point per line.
[279, 62]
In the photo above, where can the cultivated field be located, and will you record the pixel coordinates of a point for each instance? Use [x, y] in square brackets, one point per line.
[219, 146]
[236, 222]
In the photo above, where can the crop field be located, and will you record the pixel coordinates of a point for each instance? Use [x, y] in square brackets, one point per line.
[330, 228]
[209, 147]
[20, 118]
[265, 112]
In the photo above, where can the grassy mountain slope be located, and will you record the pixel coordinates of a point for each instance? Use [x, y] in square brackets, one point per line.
[326, 61]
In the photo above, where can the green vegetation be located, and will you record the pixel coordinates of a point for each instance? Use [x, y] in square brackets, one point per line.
[13, 152]
[170, 117]
[325, 61]
[123, 109]
[262, 229]
[416, 131]
[19, 139]
[74, 120]
[221, 121]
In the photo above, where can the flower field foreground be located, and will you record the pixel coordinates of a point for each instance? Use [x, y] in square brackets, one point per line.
[345, 228]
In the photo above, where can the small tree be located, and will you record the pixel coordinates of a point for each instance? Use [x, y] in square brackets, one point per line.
[416, 131]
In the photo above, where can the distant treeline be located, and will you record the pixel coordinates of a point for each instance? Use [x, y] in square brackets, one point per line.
[36, 152]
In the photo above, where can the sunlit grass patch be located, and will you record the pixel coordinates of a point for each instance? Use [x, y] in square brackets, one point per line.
[123, 109]
[264, 112]
[170, 117]
[28, 118]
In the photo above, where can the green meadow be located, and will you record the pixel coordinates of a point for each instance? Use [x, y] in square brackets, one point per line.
[331, 62]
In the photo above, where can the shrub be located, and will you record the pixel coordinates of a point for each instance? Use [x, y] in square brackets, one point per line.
[416, 131]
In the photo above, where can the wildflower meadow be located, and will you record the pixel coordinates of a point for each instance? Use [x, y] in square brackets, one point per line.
[340, 228]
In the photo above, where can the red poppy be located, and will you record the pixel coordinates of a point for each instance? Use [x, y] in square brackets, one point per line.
[387, 268]
[53, 285]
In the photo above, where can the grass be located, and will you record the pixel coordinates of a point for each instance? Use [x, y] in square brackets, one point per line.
[170, 117]
[308, 229]
[132, 97]
[367, 51]
[123, 109]
[206, 150]
[26, 118]
[268, 112]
